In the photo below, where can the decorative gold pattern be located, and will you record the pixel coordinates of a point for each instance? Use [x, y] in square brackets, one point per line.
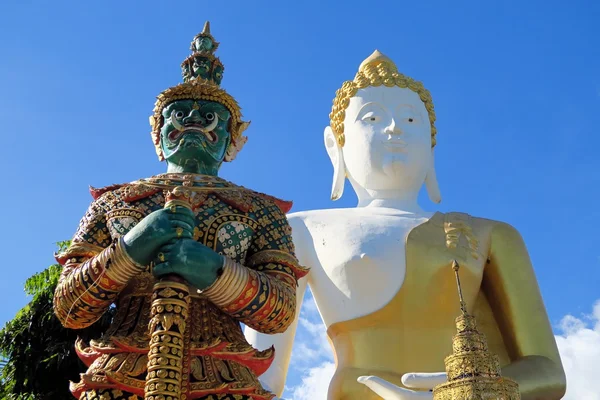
[473, 373]
[108, 394]
[101, 279]
[230, 284]
[123, 267]
[169, 310]
[376, 70]
[217, 359]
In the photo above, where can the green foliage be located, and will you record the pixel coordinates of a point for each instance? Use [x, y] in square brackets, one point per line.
[38, 354]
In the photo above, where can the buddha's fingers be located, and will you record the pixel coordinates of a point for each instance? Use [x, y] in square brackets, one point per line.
[423, 380]
[389, 391]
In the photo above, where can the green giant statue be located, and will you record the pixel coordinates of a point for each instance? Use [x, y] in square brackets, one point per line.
[185, 257]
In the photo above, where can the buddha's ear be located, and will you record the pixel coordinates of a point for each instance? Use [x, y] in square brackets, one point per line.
[336, 156]
[431, 183]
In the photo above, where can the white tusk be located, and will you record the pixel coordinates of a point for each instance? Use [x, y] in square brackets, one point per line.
[212, 126]
[176, 122]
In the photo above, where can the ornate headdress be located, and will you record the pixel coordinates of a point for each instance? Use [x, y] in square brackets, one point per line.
[202, 73]
[376, 70]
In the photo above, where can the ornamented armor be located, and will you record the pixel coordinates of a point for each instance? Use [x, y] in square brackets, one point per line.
[249, 228]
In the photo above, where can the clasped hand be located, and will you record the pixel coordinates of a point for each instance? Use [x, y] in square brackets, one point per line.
[166, 237]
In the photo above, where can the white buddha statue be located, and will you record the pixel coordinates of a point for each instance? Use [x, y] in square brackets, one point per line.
[381, 272]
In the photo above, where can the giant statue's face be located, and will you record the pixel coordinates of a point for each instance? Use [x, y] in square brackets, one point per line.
[388, 139]
[203, 43]
[195, 131]
[201, 67]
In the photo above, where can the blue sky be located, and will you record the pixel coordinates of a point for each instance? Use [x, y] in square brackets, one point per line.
[516, 87]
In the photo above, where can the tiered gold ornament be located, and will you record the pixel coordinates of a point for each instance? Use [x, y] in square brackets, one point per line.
[473, 373]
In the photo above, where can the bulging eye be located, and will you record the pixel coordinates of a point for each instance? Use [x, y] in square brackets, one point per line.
[179, 114]
[209, 116]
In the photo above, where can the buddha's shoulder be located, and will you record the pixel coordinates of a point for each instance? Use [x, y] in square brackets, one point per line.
[329, 215]
[332, 219]
[325, 219]
[478, 224]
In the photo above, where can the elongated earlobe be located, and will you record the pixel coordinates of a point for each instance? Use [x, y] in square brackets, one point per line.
[431, 183]
[336, 156]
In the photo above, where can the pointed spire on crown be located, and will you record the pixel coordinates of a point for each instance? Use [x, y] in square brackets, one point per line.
[377, 58]
[202, 63]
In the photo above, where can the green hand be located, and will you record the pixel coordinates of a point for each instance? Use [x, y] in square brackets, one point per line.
[157, 229]
[198, 264]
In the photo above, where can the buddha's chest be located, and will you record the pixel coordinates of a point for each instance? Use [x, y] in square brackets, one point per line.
[366, 262]
[357, 253]
[219, 225]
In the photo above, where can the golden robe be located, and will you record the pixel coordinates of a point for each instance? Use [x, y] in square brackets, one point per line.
[413, 332]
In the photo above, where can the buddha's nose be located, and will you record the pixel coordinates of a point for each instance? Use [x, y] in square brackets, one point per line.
[193, 118]
[393, 128]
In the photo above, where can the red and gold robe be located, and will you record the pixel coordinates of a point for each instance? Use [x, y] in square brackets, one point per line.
[247, 227]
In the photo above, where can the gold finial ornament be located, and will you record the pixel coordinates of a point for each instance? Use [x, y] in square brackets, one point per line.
[376, 70]
[473, 373]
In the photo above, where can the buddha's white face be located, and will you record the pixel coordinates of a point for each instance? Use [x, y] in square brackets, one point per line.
[388, 139]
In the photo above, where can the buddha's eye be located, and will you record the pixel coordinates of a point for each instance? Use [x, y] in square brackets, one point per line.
[179, 114]
[371, 118]
[210, 116]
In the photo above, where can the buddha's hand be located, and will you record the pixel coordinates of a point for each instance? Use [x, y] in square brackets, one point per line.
[423, 382]
[198, 264]
[144, 240]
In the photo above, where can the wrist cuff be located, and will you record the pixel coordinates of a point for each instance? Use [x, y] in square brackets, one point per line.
[122, 267]
[229, 286]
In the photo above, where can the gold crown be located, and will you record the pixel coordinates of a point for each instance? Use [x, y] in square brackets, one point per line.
[202, 74]
[376, 70]
[202, 63]
[473, 373]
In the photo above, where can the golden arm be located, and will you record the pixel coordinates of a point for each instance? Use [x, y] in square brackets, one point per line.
[262, 293]
[95, 270]
[511, 287]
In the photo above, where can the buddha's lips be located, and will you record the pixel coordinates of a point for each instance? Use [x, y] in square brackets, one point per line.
[395, 146]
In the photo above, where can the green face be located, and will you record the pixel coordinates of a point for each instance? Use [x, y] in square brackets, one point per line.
[185, 72]
[201, 67]
[194, 136]
[203, 43]
[218, 74]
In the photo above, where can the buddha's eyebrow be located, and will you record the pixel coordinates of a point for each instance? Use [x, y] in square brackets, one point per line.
[410, 106]
[369, 104]
[414, 110]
